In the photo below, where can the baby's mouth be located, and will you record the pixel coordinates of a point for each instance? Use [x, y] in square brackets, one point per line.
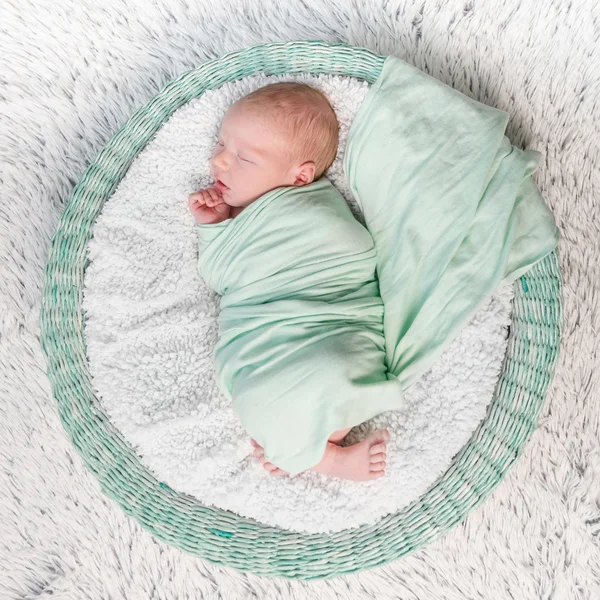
[220, 185]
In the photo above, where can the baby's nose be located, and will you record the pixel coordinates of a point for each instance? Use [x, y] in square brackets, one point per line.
[220, 161]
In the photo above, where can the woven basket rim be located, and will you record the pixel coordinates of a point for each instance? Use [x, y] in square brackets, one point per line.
[221, 536]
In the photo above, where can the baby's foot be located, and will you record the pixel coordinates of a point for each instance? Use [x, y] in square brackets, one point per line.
[259, 452]
[359, 462]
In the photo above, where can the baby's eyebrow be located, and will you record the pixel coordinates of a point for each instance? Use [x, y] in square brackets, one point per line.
[256, 151]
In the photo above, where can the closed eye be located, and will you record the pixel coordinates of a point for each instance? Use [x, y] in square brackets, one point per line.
[244, 159]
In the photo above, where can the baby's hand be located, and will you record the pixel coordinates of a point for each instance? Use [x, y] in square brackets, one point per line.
[208, 206]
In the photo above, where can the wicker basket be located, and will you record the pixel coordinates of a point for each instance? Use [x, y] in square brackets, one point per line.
[223, 537]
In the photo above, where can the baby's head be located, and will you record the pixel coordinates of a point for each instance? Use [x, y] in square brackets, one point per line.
[282, 134]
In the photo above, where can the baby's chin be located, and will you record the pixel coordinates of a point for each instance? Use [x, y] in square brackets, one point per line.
[236, 201]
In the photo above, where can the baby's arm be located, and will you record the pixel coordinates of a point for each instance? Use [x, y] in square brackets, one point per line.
[208, 206]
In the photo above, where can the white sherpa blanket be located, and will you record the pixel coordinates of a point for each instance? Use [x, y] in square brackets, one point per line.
[151, 327]
[72, 72]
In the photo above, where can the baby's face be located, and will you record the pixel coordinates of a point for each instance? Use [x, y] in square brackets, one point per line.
[248, 158]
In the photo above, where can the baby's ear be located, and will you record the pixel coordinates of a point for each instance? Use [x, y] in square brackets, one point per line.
[306, 173]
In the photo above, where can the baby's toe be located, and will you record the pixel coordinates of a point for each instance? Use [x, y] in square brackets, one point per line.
[378, 466]
[379, 457]
[377, 448]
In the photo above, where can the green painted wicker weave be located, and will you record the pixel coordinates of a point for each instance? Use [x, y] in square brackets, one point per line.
[220, 536]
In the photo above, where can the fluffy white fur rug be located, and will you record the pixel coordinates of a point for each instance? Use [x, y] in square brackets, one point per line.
[151, 325]
[72, 72]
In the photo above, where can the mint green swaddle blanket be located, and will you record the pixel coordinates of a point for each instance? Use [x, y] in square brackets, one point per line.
[324, 324]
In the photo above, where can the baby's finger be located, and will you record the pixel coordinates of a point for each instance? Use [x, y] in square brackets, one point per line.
[197, 198]
[222, 209]
[215, 195]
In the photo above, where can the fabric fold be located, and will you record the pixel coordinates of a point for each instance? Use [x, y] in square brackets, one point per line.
[450, 204]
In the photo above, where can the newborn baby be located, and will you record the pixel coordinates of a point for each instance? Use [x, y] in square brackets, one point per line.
[284, 134]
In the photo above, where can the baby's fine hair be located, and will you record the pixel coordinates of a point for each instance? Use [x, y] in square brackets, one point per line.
[307, 116]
